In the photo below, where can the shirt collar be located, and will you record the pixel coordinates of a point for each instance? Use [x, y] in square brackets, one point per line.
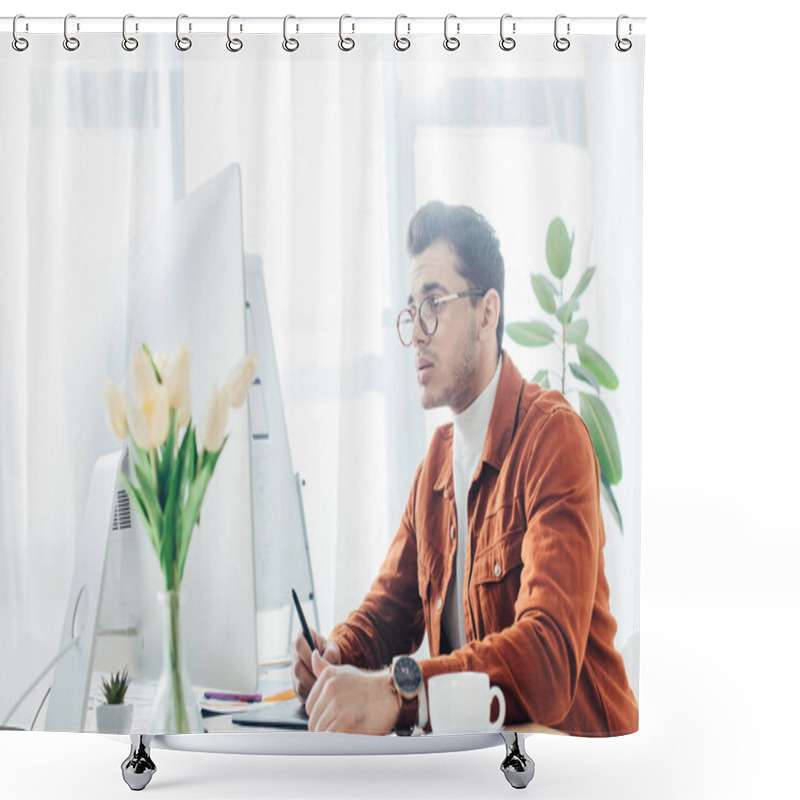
[469, 427]
[502, 423]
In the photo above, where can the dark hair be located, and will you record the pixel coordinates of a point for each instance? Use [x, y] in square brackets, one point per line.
[472, 238]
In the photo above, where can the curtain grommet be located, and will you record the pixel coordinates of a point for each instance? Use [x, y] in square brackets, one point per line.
[623, 44]
[451, 43]
[19, 43]
[401, 43]
[507, 42]
[289, 44]
[346, 43]
[71, 43]
[561, 43]
[233, 44]
[129, 43]
[183, 43]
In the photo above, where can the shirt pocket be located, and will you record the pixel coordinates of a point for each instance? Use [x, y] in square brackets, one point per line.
[496, 573]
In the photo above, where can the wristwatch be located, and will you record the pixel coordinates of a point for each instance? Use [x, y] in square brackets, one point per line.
[406, 678]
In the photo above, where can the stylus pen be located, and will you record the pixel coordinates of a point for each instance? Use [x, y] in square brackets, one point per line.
[241, 698]
[306, 631]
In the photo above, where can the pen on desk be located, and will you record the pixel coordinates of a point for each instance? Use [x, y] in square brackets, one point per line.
[306, 631]
[241, 698]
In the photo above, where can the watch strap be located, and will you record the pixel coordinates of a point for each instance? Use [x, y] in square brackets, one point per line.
[407, 719]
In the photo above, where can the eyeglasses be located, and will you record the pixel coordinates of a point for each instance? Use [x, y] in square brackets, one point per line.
[428, 315]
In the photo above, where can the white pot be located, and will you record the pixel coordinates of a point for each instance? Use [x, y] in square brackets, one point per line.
[114, 719]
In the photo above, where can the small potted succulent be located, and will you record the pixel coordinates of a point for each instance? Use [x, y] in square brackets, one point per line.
[115, 715]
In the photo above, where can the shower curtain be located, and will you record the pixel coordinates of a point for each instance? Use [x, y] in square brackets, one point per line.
[326, 151]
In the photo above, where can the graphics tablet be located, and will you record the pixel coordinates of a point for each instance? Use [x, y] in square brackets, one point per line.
[286, 714]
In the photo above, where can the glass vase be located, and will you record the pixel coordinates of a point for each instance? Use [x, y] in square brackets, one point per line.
[175, 709]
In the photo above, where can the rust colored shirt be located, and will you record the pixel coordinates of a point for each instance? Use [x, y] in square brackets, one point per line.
[536, 606]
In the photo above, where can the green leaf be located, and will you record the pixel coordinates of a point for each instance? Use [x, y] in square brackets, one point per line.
[566, 310]
[540, 376]
[531, 334]
[583, 374]
[185, 459]
[150, 500]
[608, 496]
[136, 499]
[142, 457]
[583, 283]
[545, 292]
[576, 331]
[604, 435]
[152, 362]
[191, 458]
[191, 512]
[593, 361]
[171, 540]
[545, 384]
[558, 248]
[167, 458]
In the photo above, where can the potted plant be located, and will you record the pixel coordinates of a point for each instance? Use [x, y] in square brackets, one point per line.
[115, 715]
[591, 370]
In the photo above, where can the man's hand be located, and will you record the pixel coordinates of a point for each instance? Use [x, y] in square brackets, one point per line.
[303, 677]
[351, 700]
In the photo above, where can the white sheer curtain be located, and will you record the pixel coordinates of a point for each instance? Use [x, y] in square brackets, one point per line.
[336, 151]
[92, 150]
[85, 150]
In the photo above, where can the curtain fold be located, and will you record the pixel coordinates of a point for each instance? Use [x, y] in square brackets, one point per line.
[336, 151]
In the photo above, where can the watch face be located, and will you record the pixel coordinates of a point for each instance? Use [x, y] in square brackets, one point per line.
[407, 675]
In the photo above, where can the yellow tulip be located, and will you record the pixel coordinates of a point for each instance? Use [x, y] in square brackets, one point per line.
[239, 380]
[160, 360]
[143, 378]
[176, 378]
[115, 409]
[148, 417]
[214, 420]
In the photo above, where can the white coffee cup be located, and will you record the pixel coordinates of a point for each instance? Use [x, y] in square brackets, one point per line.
[460, 702]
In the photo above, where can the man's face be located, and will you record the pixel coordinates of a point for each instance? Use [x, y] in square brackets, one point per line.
[446, 363]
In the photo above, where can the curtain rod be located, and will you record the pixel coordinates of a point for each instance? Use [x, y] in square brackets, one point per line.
[519, 26]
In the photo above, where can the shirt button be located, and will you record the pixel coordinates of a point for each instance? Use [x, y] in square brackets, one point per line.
[497, 570]
[439, 604]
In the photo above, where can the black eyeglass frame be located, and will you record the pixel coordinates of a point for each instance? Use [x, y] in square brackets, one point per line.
[435, 302]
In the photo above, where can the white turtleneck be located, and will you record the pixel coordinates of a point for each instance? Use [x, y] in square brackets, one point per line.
[469, 434]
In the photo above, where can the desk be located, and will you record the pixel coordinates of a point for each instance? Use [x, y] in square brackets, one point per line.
[271, 680]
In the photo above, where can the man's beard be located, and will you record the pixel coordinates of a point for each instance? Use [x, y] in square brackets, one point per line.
[456, 395]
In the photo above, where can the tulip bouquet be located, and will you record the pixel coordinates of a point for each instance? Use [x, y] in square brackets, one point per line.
[171, 478]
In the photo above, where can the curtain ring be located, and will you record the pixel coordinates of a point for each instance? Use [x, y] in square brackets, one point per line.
[561, 43]
[506, 42]
[623, 45]
[129, 43]
[234, 45]
[451, 42]
[181, 42]
[289, 45]
[70, 42]
[18, 42]
[345, 42]
[401, 43]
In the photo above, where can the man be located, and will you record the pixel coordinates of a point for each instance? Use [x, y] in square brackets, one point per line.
[499, 555]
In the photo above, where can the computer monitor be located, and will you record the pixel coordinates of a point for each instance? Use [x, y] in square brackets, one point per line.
[186, 285]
